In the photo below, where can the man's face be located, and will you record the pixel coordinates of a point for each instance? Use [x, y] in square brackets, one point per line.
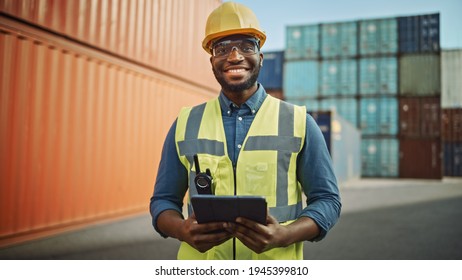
[237, 67]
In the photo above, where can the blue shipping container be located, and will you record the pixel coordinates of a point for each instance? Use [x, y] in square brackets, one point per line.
[348, 39]
[388, 75]
[330, 44]
[347, 108]
[329, 77]
[378, 75]
[310, 42]
[380, 157]
[379, 116]
[339, 39]
[389, 158]
[408, 34]
[378, 36]
[302, 42]
[369, 162]
[338, 77]
[311, 104]
[348, 84]
[301, 79]
[419, 33]
[323, 119]
[452, 158]
[294, 40]
[368, 75]
[430, 33]
[271, 72]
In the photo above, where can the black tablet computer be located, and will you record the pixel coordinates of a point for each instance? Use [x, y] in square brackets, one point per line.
[212, 208]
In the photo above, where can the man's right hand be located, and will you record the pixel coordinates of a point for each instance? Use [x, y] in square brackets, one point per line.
[200, 236]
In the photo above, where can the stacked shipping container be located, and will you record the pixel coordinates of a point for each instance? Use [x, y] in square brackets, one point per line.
[143, 31]
[271, 73]
[84, 109]
[361, 70]
[378, 45]
[420, 97]
[451, 100]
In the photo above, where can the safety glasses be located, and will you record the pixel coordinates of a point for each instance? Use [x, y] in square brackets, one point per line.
[245, 47]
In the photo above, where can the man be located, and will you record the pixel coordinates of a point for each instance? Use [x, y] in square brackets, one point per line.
[253, 144]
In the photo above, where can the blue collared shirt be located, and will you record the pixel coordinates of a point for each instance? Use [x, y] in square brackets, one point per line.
[314, 166]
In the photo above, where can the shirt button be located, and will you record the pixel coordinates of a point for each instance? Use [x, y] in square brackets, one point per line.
[240, 118]
[229, 113]
[239, 146]
[253, 111]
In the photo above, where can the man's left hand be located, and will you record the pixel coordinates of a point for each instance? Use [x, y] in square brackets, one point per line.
[259, 238]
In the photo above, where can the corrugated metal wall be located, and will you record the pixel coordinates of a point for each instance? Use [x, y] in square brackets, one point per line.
[146, 31]
[82, 130]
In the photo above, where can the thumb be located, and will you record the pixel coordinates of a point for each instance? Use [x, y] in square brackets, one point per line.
[192, 216]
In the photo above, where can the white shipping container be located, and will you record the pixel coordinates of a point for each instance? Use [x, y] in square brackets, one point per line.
[451, 78]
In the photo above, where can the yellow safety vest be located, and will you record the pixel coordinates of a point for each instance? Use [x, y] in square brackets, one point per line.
[266, 166]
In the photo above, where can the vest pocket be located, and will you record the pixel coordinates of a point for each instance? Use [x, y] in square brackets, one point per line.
[259, 179]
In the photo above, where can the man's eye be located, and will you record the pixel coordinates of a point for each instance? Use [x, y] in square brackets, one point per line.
[247, 48]
[221, 50]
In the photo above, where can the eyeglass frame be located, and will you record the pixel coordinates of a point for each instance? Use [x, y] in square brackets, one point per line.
[255, 41]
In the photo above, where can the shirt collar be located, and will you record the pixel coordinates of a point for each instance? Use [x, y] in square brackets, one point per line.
[253, 103]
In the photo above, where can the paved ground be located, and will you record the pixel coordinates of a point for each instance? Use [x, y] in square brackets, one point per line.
[381, 219]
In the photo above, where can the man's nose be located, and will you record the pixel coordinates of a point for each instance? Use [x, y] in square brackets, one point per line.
[235, 55]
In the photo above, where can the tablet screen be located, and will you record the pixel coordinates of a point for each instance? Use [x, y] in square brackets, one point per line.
[211, 208]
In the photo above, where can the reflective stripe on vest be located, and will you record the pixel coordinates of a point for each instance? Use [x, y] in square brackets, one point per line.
[284, 143]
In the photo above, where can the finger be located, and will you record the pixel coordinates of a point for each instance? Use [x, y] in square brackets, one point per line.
[246, 234]
[257, 227]
[255, 245]
[229, 227]
[211, 241]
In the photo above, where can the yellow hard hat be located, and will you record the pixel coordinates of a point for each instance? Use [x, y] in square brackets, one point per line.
[229, 19]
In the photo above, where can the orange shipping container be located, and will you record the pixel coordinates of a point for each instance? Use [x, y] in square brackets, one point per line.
[81, 132]
[162, 34]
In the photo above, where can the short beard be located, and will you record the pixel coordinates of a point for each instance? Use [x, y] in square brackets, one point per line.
[238, 87]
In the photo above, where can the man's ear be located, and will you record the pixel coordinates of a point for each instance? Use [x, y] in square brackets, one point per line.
[261, 59]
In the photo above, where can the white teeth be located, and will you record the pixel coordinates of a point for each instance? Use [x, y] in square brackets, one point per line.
[236, 70]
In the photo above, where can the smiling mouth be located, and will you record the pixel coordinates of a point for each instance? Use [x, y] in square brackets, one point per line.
[236, 70]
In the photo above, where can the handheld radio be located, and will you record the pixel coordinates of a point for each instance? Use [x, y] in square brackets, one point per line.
[203, 181]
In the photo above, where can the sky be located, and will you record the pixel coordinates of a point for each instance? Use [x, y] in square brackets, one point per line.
[275, 15]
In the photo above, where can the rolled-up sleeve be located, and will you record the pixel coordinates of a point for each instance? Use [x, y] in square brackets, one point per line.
[171, 182]
[316, 175]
